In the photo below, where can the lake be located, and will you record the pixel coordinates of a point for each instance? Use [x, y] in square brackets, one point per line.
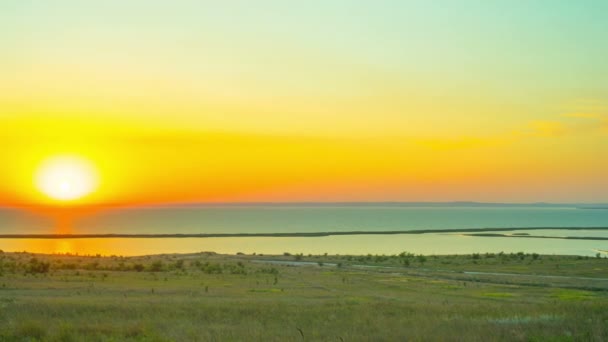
[314, 218]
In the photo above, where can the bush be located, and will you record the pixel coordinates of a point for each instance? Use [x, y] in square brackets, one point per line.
[92, 265]
[211, 268]
[35, 266]
[156, 266]
[239, 268]
[179, 264]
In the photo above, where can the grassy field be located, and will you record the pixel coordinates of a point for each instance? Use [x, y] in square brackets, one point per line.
[207, 297]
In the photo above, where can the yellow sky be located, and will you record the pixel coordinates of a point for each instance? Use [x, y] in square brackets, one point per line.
[317, 102]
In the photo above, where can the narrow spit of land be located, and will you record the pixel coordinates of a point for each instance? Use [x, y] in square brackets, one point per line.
[295, 297]
[599, 238]
[298, 234]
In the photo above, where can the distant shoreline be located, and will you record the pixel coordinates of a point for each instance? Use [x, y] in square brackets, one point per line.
[354, 204]
[311, 234]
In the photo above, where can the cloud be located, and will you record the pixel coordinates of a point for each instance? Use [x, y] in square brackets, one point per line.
[547, 129]
[570, 124]
[567, 125]
[585, 116]
[591, 122]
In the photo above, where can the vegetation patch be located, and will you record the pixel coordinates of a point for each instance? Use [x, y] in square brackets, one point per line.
[497, 294]
[30, 330]
[212, 297]
[525, 319]
[273, 290]
[573, 295]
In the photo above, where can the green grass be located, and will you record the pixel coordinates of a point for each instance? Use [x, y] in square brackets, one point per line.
[575, 295]
[209, 297]
[498, 295]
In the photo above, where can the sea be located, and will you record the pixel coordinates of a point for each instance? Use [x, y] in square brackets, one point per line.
[560, 229]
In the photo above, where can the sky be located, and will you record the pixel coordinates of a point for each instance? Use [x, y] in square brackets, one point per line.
[270, 101]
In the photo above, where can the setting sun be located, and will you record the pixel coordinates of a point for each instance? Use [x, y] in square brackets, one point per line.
[66, 178]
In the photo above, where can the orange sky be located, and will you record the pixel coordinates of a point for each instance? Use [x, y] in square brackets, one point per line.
[155, 165]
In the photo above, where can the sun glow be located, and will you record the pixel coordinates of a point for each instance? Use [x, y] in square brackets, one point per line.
[66, 178]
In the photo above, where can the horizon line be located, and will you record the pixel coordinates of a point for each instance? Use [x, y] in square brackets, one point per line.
[586, 205]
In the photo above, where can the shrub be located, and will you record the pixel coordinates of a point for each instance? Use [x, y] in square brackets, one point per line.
[239, 268]
[92, 265]
[35, 266]
[156, 266]
[211, 268]
[179, 264]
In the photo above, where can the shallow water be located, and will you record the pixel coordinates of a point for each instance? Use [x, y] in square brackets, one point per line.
[346, 244]
[291, 219]
[272, 219]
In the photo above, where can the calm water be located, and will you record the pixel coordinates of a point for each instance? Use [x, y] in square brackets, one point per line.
[271, 219]
[305, 219]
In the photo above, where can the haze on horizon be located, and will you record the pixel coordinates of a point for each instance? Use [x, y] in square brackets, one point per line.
[272, 101]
